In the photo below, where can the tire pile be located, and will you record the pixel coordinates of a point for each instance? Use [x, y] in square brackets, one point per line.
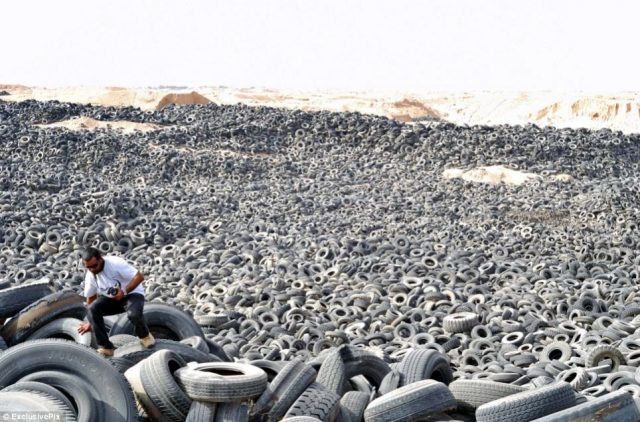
[331, 272]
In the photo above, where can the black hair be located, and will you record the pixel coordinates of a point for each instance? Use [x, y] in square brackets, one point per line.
[90, 252]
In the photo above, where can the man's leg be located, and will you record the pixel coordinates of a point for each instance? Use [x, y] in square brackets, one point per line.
[134, 304]
[96, 312]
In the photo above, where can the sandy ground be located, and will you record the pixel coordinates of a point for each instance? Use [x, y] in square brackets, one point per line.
[87, 123]
[619, 111]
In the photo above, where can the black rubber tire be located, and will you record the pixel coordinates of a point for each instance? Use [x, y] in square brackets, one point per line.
[40, 387]
[201, 411]
[422, 364]
[221, 382]
[3, 344]
[135, 351]
[216, 350]
[301, 419]
[602, 352]
[359, 362]
[102, 378]
[122, 364]
[65, 303]
[557, 350]
[353, 405]
[164, 321]
[413, 401]
[14, 299]
[66, 328]
[26, 402]
[271, 367]
[156, 374]
[471, 394]
[528, 405]
[617, 406]
[232, 412]
[78, 390]
[332, 373]
[283, 391]
[316, 401]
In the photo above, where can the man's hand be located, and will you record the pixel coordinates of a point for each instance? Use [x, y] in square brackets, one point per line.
[85, 327]
[120, 295]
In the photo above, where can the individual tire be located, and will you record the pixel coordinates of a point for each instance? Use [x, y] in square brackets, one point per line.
[332, 373]
[39, 387]
[361, 362]
[201, 411]
[62, 304]
[3, 344]
[156, 374]
[164, 322]
[14, 299]
[135, 351]
[603, 352]
[617, 406]
[557, 350]
[301, 419]
[353, 405]
[422, 364]
[316, 401]
[271, 367]
[222, 381]
[461, 322]
[528, 405]
[88, 407]
[120, 340]
[232, 412]
[283, 391]
[26, 402]
[411, 402]
[143, 401]
[101, 378]
[197, 343]
[216, 350]
[65, 328]
[471, 394]
[390, 382]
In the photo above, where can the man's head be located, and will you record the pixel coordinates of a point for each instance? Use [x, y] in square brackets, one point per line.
[92, 260]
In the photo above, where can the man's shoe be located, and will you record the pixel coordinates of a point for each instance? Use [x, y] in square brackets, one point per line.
[105, 352]
[148, 341]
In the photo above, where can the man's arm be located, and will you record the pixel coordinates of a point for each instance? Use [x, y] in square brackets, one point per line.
[135, 282]
[90, 299]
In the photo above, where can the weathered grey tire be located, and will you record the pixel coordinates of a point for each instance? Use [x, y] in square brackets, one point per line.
[471, 394]
[316, 401]
[101, 377]
[65, 303]
[3, 344]
[361, 362]
[14, 299]
[201, 411]
[332, 373]
[557, 350]
[390, 382]
[66, 328]
[528, 405]
[156, 374]
[40, 387]
[232, 412]
[413, 401]
[301, 419]
[461, 322]
[283, 391]
[353, 404]
[25, 402]
[197, 343]
[164, 321]
[617, 406]
[422, 364]
[602, 352]
[120, 340]
[143, 401]
[89, 407]
[222, 381]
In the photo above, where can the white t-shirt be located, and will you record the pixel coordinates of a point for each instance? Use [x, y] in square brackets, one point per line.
[116, 270]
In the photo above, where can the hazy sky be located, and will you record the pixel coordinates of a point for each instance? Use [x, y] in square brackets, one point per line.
[324, 44]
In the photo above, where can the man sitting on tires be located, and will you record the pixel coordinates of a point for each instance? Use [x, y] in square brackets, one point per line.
[112, 286]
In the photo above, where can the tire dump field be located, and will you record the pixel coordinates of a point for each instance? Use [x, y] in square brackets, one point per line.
[306, 266]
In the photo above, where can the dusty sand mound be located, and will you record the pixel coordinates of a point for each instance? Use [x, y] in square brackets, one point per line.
[499, 174]
[180, 99]
[409, 109]
[587, 111]
[87, 123]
